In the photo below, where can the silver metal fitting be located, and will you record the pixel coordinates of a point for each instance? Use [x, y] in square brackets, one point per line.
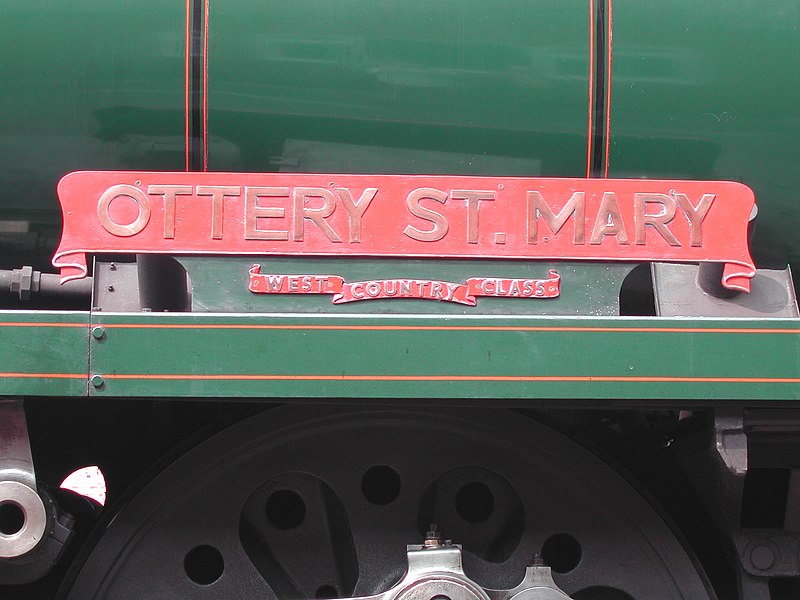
[731, 440]
[437, 573]
[433, 538]
[24, 281]
[23, 517]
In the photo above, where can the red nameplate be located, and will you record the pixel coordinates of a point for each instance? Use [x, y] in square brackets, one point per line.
[405, 216]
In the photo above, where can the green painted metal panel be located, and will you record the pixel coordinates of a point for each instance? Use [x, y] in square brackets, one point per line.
[43, 353]
[219, 284]
[445, 357]
[357, 86]
[710, 90]
[85, 85]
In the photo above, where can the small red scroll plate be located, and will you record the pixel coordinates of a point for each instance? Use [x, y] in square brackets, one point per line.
[405, 216]
[421, 289]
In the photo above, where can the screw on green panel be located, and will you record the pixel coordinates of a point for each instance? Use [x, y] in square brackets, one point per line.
[98, 333]
[97, 381]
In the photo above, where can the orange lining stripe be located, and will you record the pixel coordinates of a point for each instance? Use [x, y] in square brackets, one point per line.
[445, 328]
[457, 378]
[186, 76]
[608, 90]
[591, 90]
[205, 86]
[465, 378]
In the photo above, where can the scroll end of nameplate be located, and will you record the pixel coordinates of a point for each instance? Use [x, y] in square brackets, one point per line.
[335, 286]
[465, 299]
[68, 182]
[254, 280]
[737, 276]
[72, 265]
[70, 261]
[554, 284]
[69, 191]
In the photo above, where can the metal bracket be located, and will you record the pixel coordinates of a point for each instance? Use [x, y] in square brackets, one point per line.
[435, 571]
[23, 517]
[731, 440]
[769, 552]
[680, 292]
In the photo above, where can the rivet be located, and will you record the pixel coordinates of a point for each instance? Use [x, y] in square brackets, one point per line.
[98, 333]
[763, 557]
[97, 381]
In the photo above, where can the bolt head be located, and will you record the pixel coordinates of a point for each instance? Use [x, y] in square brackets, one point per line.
[763, 557]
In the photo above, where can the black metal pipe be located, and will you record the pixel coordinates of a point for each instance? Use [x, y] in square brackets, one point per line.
[26, 282]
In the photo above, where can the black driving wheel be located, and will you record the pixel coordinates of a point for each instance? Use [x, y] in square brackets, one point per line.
[310, 502]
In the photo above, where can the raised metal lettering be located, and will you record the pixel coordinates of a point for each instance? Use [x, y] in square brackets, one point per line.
[356, 210]
[695, 216]
[315, 215]
[641, 218]
[473, 198]
[253, 212]
[537, 207]
[609, 221]
[357, 289]
[169, 192]
[440, 225]
[217, 193]
[131, 193]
